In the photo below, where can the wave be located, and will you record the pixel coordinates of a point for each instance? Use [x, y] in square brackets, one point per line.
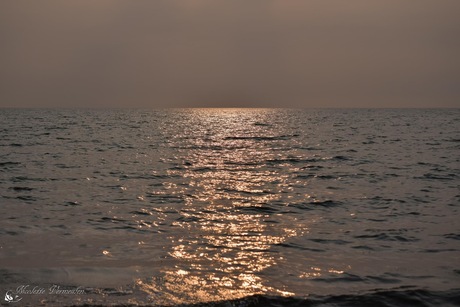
[379, 298]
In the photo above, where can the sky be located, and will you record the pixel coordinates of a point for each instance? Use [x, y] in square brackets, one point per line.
[230, 53]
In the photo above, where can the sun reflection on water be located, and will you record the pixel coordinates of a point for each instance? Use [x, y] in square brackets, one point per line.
[228, 228]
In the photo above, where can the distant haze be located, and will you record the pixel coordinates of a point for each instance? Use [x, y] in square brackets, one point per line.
[273, 53]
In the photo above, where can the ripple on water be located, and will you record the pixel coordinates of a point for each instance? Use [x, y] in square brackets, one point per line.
[244, 205]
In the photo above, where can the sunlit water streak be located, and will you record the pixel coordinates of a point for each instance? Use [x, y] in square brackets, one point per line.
[196, 205]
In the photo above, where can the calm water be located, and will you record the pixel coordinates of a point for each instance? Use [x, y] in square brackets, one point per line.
[183, 206]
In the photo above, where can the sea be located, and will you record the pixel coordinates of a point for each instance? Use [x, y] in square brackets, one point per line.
[230, 207]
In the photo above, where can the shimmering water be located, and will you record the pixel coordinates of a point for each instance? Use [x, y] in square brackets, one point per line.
[165, 207]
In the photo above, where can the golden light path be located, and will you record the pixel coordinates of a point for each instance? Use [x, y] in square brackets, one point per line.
[227, 230]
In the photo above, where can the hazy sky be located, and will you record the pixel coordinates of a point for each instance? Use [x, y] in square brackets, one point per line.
[323, 53]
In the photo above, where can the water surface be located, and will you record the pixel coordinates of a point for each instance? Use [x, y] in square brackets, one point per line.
[198, 205]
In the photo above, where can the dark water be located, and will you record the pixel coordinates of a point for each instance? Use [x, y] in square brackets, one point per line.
[246, 207]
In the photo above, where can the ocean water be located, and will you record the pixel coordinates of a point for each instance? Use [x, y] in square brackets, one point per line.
[239, 207]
